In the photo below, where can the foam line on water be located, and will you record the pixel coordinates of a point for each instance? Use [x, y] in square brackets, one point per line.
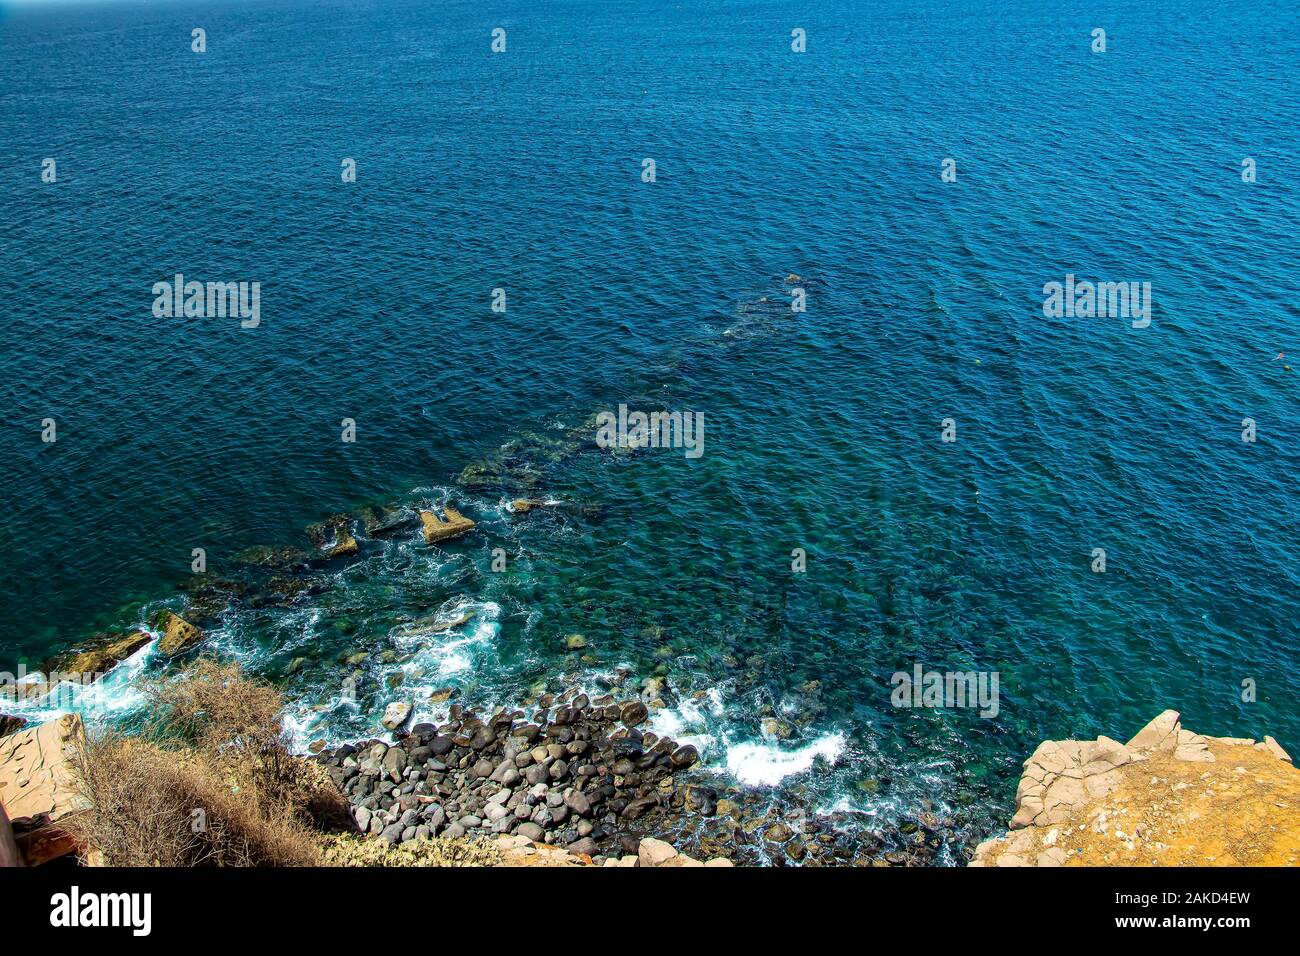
[757, 764]
[113, 695]
[691, 721]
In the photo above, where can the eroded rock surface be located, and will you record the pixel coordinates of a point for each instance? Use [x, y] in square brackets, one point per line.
[36, 786]
[1169, 797]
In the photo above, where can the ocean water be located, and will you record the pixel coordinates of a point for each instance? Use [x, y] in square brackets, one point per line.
[522, 170]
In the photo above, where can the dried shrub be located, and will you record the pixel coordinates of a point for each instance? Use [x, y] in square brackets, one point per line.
[215, 745]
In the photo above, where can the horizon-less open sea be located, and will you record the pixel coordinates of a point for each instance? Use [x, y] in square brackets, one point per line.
[522, 170]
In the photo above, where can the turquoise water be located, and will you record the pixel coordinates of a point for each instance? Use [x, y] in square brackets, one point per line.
[522, 170]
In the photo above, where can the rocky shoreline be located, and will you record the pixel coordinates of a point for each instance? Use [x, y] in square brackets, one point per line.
[579, 781]
[582, 775]
[566, 778]
[595, 752]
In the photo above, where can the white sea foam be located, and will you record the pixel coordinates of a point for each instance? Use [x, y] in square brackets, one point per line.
[690, 721]
[446, 654]
[307, 724]
[766, 765]
[113, 695]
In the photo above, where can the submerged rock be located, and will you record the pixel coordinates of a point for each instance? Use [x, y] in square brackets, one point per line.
[380, 521]
[207, 596]
[775, 727]
[431, 625]
[278, 559]
[521, 506]
[333, 537]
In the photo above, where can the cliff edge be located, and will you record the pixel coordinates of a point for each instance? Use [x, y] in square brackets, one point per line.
[1169, 797]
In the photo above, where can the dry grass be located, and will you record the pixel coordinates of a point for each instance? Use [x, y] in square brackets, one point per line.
[215, 746]
[347, 850]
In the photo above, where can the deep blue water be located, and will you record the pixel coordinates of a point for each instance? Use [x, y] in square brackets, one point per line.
[522, 170]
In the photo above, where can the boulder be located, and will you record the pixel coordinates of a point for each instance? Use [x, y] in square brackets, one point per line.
[178, 634]
[652, 852]
[684, 757]
[530, 830]
[578, 802]
[396, 715]
[633, 713]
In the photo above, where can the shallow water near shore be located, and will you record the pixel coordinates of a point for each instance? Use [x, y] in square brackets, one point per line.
[822, 428]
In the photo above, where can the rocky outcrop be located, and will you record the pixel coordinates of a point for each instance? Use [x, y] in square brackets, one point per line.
[381, 521]
[178, 634]
[438, 529]
[1167, 797]
[100, 655]
[36, 786]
